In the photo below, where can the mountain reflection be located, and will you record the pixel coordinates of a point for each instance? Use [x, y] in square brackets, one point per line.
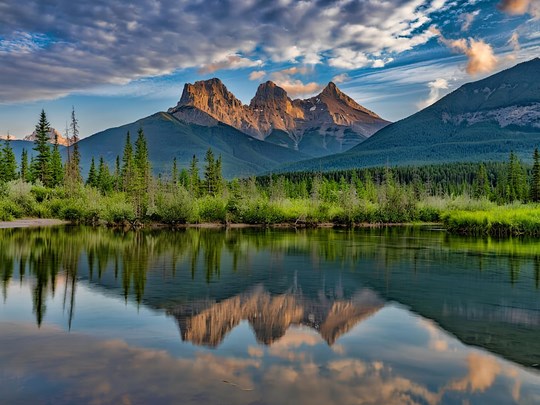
[207, 323]
[484, 291]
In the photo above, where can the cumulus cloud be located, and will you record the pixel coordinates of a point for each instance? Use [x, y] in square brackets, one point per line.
[480, 54]
[435, 88]
[257, 75]
[520, 7]
[79, 47]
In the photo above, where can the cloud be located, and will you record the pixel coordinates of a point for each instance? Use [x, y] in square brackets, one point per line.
[520, 7]
[480, 54]
[229, 62]
[343, 77]
[78, 48]
[257, 75]
[467, 19]
[516, 47]
[294, 86]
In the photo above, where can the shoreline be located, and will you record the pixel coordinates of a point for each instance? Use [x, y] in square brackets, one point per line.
[32, 223]
[47, 222]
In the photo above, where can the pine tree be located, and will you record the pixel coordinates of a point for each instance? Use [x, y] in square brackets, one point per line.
[8, 163]
[142, 174]
[535, 183]
[209, 173]
[174, 173]
[57, 169]
[117, 175]
[73, 165]
[92, 175]
[218, 175]
[481, 186]
[194, 181]
[24, 174]
[127, 166]
[103, 179]
[516, 188]
[42, 162]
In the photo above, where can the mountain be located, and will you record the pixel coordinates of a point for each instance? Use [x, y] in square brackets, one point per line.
[328, 123]
[480, 121]
[169, 137]
[53, 134]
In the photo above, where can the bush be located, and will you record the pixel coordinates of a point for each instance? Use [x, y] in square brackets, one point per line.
[174, 208]
[212, 209]
[9, 210]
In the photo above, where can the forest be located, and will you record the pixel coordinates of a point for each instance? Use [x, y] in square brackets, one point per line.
[481, 198]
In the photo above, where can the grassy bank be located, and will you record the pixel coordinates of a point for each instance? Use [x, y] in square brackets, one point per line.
[177, 207]
[498, 221]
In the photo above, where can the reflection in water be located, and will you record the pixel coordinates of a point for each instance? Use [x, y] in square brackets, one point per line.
[319, 304]
[207, 322]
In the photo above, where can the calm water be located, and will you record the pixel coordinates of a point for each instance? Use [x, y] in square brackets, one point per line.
[268, 317]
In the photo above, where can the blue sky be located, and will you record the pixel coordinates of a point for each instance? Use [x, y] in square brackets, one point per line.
[117, 62]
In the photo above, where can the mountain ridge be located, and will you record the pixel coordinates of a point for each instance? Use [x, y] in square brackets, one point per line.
[482, 120]
[331, 121]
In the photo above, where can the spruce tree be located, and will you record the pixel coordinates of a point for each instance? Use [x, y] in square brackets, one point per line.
[57, 169]
[142, 174]
[535, 183]
[42, 161]
[194, 181]
[117, 175]
[103, 179]
[127, 166]
[24, 174]
[174, 174]
[8, 163]
[209, 173]
[92, 175]
[481, 186]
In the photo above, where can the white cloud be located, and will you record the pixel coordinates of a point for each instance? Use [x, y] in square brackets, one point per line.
[105, 43]
[467, 19]
[343, 77]
[435, 88]
[257, 75]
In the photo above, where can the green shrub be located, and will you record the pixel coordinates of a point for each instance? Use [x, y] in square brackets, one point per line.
[174, 208]
[212, 209]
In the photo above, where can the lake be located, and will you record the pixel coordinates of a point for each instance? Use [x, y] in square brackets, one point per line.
[254, 316]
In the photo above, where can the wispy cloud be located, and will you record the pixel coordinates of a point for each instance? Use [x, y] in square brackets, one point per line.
[257, 75]
[435, 88]
[519, 7]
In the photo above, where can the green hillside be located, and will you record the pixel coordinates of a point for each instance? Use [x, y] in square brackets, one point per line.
[168, 138]
[480, 121]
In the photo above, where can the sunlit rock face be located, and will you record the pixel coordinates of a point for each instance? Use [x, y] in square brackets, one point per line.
[208, 322]
[54, 135]
[335, 120]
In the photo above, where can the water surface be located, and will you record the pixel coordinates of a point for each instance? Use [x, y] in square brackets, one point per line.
[253, 316]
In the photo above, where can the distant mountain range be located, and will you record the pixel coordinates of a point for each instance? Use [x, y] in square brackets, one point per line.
[480, 121]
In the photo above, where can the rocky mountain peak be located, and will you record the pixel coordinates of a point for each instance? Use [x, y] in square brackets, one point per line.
[330, 114]
[53, 134]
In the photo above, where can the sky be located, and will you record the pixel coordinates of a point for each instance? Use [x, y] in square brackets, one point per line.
[116, 62]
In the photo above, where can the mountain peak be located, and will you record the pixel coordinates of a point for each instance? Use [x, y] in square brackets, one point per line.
[269, 92]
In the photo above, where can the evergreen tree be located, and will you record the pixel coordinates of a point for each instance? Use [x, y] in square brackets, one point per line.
[117, 175]
[57, 169]
[24, 174]
[535, 182]
[142, 174]
[516, 188]
[42, 161]
[481, 186]
[174, 174]
[210, 173]
[92, 175]
[73, 164]
[194, 181]
[103, 179]
[218, 175]
[8, 163]
[128, 169]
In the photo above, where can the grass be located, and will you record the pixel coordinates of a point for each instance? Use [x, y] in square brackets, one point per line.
[497, 221]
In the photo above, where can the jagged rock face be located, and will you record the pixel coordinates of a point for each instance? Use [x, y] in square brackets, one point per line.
[330, 114]
[212, 98]
[53, 133]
